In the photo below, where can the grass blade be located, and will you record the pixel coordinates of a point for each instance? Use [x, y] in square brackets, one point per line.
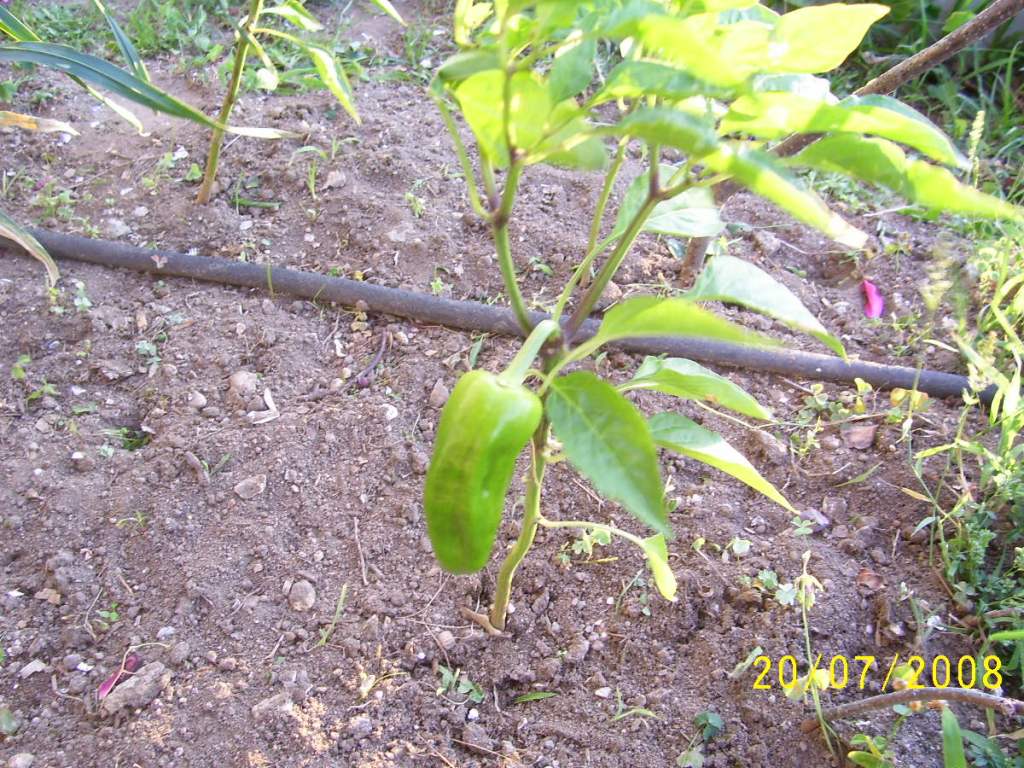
[12, 231]
[131, 56]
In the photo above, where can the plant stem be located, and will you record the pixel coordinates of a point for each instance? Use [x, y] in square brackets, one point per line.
[460, 150]
[217, 138]
[587, 525]
[531, 517]
[608, 270]
[499, 227]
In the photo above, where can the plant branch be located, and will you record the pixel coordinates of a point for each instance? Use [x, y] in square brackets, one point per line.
[217, 137]
[499, 230]
[531, 516]
[610, 266]
[587, 525]
[1001, 704]
[464, 161]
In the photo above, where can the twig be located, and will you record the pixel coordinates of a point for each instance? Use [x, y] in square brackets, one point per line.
[359, 549]
[1001, 704]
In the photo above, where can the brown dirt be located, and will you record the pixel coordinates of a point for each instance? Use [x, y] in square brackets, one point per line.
[199, 577]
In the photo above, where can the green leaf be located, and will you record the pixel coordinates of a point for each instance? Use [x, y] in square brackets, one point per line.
[722, 54]
[14, 28]
[1007, 634]
[463, 65]
[12, 231]
[390, 10]
[692, 213]
[92, 69]
[573, 69]
[468, 16]
[764, 175]
[678, 433]
[654, 316]
[534, 696]
[687, 379]
[668, 127]
[952, 742]
[609, 442]
[773, 115]
[333, 76]
[573, 145]
[656, 551]
[819, 38]
[296, 13]
[131, 56]
[881, 162]
[809, 86]
[637, 79]
[481, 98]
[726, 278]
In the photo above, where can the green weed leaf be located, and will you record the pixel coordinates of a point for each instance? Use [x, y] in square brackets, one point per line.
[726, 278]
[12, 231]
[678, 433]
[952, 741]
[609, 442]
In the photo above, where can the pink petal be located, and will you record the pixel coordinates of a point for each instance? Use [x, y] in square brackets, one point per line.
[874, 304]
[131, 664]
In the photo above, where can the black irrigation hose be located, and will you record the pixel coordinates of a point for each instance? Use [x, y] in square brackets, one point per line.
[473, 316]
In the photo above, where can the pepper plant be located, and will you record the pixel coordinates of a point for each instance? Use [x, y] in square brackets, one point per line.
[700, 87]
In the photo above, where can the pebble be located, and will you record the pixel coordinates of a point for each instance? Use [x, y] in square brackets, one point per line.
[22, 760]
[439, 394]
[243, 384]
[273, 706]
[301, 596]
[880, 556]
[473, 714]
[475, 736]
[140, 212]
[82, 462]
[814, 516]
[611, 294]
[603, 692]
[71, 661]
[113, 227]
[770, 447]
[164, 633]
[577, 650]
[360, 726]
[197, 400]
[179, 652]
[446, 639]
[251, 487]
[32, 668]
[138, 690]
[834, 506]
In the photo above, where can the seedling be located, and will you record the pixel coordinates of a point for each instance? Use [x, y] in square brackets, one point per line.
[709, 724]
[455, 682]
[698, 93]
[46, 388]
[339, 608]
[18, 369]
[622, 711]
[138, 519]
[108, 617]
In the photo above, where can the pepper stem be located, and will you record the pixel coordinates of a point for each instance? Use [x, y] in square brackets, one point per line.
[516, 371]
[531, 516]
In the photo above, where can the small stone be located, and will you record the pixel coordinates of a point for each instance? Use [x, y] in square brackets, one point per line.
[577, 650]
[34, 666]
[880, 556]
[439, 394]
[197, 400]
[476, 738]
[179, 652]
[859, 436]
[834, 506]
[273, 706]
[71, 661]
[164, 633]
[301, 596]
[243, 384]
[360, 727]
[446, 639]
[335, 179]
[814, 516]
[603, 692]
[82, 462]
[22, 760]
[841, 532]
[138, 690]
[227, 664]
[766, 445]
[251, 487]
[611, 294]
[140, 212]
[114, 227]
[473, 714]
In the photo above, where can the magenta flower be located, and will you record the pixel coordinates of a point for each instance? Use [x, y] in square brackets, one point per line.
[874, 304]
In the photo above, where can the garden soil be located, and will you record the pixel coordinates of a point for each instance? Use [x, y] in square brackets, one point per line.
[218, 486]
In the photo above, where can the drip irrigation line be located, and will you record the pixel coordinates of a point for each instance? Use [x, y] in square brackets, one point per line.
[474, 316]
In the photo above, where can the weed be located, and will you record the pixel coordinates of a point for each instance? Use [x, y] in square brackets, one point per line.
[19, 366]
[138, 519]
[43, 390]
[339, 608]
[622, 711]
[109, 616]
[455, 682]
[709, 725]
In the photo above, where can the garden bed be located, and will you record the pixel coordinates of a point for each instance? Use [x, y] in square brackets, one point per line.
[212, 477]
